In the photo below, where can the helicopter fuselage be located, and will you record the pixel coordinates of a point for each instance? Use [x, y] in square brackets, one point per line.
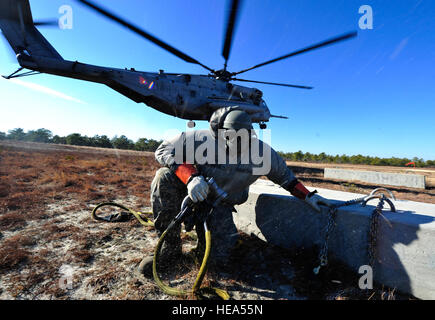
[186, 96]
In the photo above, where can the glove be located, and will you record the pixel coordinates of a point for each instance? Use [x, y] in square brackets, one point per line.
[314, 200]
[197, 189]
[297, 189]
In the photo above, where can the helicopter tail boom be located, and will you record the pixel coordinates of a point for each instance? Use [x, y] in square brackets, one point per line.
[35, 53]
[17, 25]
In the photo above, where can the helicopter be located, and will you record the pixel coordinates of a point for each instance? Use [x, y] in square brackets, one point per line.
[186, 96]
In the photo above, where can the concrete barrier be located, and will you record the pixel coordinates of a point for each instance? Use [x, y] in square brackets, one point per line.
[405, 246]
[377, 178]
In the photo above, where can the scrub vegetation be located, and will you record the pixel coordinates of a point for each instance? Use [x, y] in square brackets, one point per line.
[47, 193]
[144, 144]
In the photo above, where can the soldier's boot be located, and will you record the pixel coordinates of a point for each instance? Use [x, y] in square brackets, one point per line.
[197, 254]
[167, 193]
[170, 254]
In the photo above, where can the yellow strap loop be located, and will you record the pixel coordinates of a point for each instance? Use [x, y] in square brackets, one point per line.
[140, 216]
[196, 289]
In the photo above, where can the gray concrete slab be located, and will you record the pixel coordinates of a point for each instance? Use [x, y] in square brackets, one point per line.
[377, 178]
[405, 244]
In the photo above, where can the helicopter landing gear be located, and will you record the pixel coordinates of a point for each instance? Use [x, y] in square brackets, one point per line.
[191, 124]
[263, 125]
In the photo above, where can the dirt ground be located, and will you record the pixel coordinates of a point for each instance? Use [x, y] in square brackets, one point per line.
[51, 248]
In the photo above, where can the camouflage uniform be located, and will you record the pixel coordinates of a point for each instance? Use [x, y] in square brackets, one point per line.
[167, 191]
[167, 194]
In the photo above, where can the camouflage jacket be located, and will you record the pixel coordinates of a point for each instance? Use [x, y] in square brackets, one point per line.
[209, 154]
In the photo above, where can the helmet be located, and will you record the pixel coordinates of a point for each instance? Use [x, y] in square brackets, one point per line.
[227, 124]
[236, 120]
[230, 117]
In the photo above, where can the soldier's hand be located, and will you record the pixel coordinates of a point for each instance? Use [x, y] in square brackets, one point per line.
[197, 189]
[314, 200]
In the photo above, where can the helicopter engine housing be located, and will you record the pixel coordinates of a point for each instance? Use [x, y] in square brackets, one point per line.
[245, 93]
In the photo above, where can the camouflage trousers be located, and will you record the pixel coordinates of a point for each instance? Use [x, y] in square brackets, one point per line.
[167, 194]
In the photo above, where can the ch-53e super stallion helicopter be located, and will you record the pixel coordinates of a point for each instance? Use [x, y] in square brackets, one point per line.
[186, 96]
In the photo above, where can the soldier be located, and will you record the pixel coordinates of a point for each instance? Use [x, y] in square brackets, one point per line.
[178, 178]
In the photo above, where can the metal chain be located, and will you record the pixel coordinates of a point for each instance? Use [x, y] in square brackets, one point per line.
[323, 253]
[373, 232]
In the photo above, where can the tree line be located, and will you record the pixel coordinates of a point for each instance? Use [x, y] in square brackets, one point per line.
[46, 136]
[144, 144]
[356, 159]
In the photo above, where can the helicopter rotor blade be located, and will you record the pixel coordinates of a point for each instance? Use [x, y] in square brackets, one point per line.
[46, 23]
[230, 27]
[275, 84]
[143, 34]
[307, 49]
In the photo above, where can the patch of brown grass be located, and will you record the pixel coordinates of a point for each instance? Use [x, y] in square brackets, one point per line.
[12, 255]
[103, 282]
[12, 221]
[5, 190]
[21, 240]
[81, 254]
[32, 179]
[53, 289]
[54, 231]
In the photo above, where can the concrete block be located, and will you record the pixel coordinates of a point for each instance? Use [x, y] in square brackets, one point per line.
[405, 238]
[377, 178]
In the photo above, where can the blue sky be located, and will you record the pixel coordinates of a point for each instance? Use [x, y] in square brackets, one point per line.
[373, 95]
